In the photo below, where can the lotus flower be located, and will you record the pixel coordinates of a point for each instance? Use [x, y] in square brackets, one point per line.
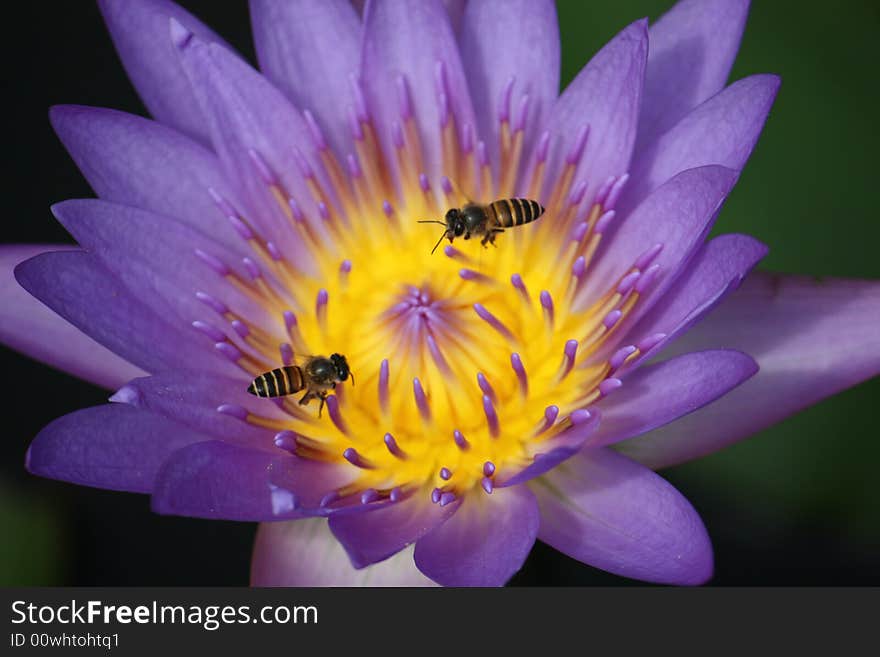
[504, 395]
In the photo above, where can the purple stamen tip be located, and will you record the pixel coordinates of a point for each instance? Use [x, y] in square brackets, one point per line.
[570, 349]
[488, 468]
[369, 495]
[447, 498]
[225, 206]
[404, 102]
[491, 416]
[493, 321]
[274, 252]
[482, 154]
[577, 147]
[435, 495]
[388, 209]
[328, 499]
[579, 268]
[602, 193]
[451, 252]
[628, 282]
[383, 385]
[393, 447]
[213, 262]
[323, 210]
[517, 282]
[423, 182]
[650, 342]
[620, 356]
[285, 440]
[604, 221]
[551, 413]
[487, 485]
[609, 385]
[522, 114]
[233, 410]
[543, 146]
[218, 306]
[229, 351]
[648, 257]
[352, 456]
[295, 210]
[345, 267]
[396, 494]
[289, 319]
[577, 193]
[241, 328]
[547, 302]
[504, 100]
[647, 278]
[486, 387]
[612, 318]
[335, 414]
[212, 332]
[580, 416]
[315, 130]
[354, 165]
[252, 268]
[445, 474]
[519, 368]
[446, 184]
[421, 400]
[460, 440]
[244, 232]
[616, 190]
[262, 168]
[286, 353]
[321, 300]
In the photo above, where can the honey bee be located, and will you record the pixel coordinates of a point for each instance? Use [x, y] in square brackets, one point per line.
[317, 376]
[487, 220]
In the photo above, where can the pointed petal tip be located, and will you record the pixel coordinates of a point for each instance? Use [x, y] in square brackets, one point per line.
[180, 36]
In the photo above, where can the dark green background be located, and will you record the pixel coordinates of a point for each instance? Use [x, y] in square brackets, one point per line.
[796, 504]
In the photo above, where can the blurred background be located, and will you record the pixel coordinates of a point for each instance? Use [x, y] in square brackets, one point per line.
[794, 505]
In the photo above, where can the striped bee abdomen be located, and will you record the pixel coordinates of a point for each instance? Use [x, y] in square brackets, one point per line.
[514, 211]
[278, 382]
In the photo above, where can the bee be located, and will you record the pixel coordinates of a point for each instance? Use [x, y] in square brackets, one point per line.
[317, 376]
[487, 220]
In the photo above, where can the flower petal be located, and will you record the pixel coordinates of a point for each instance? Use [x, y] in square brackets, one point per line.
[692, 50]
[531, 58]
[140, 33]
[248, 117]
[606, 96]
[133, 161]
[412, 38]
[716, 270]
[305, 553]
[193, 398]
[308, 50]
[75, 286]
[723, 130]
[658, 394]
[552, 451]
[30, 327]
[614, 514]
[374, 536]
[811, 339]
[677, 215]
[485, 543]
[215, 479]
[112, 446]
[147, 251]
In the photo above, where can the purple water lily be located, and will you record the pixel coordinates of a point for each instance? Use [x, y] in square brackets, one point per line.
[503, 395]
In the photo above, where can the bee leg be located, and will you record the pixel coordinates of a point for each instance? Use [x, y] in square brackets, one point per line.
[306, 398]
[323, 397]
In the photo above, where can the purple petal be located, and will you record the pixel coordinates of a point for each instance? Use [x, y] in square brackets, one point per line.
[678, 214]
[79, 289]
[305, 553]
[149, 252]
[531, 57]
[218, 480]
[411, 39]
[811, 339]
[141, 163]
[112, 446]
[549, 453]
[192, 398]
[723, 130]
[308, 50]
[249, 117]
[140, 33]
[658, 394]
[30, 327]
[485, 543]
[376, 535]
[606, 95]
[716, 270]
[692, 50]
[614, 514]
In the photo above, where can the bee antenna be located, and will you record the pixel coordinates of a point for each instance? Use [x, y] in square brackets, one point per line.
[432, 221]
[438, 242]
[351, 374]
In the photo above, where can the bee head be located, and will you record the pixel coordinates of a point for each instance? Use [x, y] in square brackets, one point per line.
[455, 225]
[341, 367]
